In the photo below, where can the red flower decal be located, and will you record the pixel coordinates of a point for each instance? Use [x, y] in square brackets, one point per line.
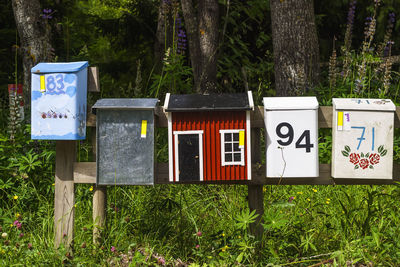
[364, 163]
[354, 158]
[374, 158]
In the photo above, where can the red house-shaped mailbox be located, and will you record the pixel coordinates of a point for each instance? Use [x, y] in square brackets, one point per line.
[209, 137]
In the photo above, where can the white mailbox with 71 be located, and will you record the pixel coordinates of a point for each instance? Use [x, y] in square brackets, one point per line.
[362, 138]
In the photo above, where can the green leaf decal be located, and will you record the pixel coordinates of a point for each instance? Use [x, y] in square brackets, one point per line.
[345, 153]
[384, 152]
[362, 154]
[356, 167]
[371, 167]
[380, 149]
[347, 148]
[367, 155]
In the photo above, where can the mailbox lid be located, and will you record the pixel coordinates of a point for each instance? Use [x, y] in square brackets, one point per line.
[125, 103]
[290, 103]
[62, 67]
[363, 104]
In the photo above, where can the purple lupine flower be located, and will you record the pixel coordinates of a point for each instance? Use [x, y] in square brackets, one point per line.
[350, 14]
[47, 13]
[180, 32]
[392, 17]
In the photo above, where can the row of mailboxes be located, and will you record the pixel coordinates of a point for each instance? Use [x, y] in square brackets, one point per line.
[209, 135]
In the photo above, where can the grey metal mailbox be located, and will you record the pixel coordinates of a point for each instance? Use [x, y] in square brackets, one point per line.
[125, 141]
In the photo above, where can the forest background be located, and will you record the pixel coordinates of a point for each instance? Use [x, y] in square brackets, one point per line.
[145, 49]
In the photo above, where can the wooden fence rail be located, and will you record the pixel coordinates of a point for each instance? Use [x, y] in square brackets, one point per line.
[69, 173]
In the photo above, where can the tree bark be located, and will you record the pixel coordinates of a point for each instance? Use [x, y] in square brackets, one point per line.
[295, 44]
[34, 34]
[202, 33]
[163, 34]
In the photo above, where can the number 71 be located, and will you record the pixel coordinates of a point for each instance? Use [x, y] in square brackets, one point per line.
[361, 138]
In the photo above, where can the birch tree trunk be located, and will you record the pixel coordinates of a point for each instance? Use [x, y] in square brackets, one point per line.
[202, 33]
[34, 34]
[295, 44]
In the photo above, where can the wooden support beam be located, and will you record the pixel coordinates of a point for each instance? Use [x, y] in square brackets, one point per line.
[255, 192]
[99, 201]
[64, 194]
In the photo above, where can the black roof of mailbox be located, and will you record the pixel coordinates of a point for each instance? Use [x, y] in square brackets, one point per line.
[125, 103]
[198, 102]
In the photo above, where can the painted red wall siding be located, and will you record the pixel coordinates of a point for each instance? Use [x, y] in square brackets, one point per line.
[211, 123]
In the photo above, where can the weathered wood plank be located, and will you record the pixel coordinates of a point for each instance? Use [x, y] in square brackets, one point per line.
[93, 79]
[85, 172]
[257, 118]
[64, 194]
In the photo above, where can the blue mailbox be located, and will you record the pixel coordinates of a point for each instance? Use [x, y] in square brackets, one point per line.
[59, 92]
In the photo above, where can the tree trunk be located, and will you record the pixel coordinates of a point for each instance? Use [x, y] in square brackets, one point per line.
[202, 32]
[34, 34]
[163, 34]
[295, 44]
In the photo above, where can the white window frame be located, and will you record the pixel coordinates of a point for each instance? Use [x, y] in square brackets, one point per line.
[200, 133]
[223, 162]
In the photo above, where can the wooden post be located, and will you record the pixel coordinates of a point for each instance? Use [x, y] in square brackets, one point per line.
[64, 194]
[255, 192]
[99, 201]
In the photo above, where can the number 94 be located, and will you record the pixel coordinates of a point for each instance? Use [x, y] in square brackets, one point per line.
[288, 134]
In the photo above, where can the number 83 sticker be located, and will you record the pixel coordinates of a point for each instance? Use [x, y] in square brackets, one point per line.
[52, 84]
[286, 132]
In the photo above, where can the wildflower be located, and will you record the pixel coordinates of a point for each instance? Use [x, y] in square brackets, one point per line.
[223, 234]
[21, 235]
[161, 261]
[314, 190]
[17, 224]
[308, 199]
[47, 13]
[17, 215]
[197, 246]
[30, 246]
[91, 188]
[15, 197]
[300, 193]
[199, 233]
[291, 199]
[4, 235]
[113, 249]
[53, 184]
